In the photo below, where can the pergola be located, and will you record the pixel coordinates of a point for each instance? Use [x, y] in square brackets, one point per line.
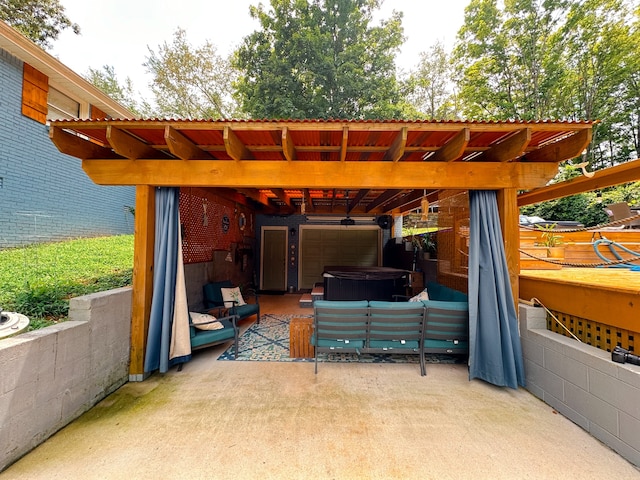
[281, 167]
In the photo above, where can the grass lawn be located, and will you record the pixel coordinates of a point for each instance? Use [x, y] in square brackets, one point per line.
[39, 280]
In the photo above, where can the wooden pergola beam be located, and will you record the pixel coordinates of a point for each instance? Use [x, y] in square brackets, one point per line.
[234, 147]
[127, 146]
[396, 150]
[344, 143]
[384, 198]
[181, 147]
[288, 148]
[453, 149]
[75, 146]
[510, 148]
[608, 177]
[359, 196]
[320, 175]
[562, 150]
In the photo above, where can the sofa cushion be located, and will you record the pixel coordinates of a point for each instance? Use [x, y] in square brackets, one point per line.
[445, 294]
[346, 304]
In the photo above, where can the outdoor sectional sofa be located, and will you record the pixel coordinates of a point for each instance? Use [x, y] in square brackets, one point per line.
[437, 325]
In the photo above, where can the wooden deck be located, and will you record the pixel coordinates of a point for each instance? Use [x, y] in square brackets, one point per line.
[610, 296]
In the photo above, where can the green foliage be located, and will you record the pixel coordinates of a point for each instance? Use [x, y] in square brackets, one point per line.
[192, 83]
[429, 88]
[549, 236]
[38, 20]
[107, 81]
[39, 280]
[566, 59]
[320, 59]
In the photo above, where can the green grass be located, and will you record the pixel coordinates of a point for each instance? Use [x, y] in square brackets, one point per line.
[39, 280]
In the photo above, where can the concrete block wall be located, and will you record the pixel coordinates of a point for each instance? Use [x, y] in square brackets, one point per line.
[53, 375]
[582, 383]
[45, 195]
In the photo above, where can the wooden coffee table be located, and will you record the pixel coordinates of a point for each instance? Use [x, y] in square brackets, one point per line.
[300, 331]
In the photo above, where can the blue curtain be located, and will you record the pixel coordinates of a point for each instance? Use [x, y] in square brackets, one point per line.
[495, 353]
[164, 280]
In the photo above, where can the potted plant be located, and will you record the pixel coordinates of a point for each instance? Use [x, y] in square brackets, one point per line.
[551, 240]
[428, 245]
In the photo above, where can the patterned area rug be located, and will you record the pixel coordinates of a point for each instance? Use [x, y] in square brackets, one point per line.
[269, 342]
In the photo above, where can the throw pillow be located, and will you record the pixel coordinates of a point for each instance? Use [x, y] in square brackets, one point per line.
[231, 295]
[423, 295]
[203, 321]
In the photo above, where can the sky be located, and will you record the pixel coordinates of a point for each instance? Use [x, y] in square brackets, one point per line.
[119, 33]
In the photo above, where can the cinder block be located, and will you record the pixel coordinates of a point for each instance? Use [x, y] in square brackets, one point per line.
[593, 408]
[621, 395]
[630, 431]
[566, 368]
[532, 351]
[616, 444]
[629, 374]
[567, 411]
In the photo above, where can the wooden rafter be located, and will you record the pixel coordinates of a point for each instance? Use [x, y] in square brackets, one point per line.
[384, 198]
[453, 149]
[608, 177]
[308, 200]
[235, 148]
[181, 146]
[508, 149]
[357, 199]
[562, 150]
[75, 146]
[344, 143]
[284, 197]
[288, 149]
[396, 150]
[128, 146]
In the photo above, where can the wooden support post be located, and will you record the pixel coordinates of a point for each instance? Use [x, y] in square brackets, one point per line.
[509, 221]
[144, 239]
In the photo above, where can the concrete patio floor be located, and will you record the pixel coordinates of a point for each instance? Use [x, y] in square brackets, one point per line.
[226, 419]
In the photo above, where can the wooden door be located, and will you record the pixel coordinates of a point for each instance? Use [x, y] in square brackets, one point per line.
[273, 271]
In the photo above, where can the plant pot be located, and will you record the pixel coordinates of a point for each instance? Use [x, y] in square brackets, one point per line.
[555, 252]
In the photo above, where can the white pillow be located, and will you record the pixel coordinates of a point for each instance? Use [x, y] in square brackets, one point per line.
[204, 321]
[423, 295]
[231, 295]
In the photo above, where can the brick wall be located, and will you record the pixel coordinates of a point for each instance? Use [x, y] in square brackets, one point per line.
[45, 195]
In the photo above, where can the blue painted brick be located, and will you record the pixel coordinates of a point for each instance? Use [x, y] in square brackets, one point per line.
[45, 195]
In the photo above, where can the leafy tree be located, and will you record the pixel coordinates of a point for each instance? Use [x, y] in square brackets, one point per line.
[107, 81]
[320, 59]
[429, 87]
[38, 20]
[191, 82]
[508, 65]
[601, 64]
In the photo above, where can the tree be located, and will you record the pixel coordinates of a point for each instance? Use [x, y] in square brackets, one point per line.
[508, 64]
[38, 20]
[320, 59]
[601, 57]
[429, 87]
[107, 81]
[191, 82]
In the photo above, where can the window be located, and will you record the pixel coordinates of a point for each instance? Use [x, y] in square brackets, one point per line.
[61, 107]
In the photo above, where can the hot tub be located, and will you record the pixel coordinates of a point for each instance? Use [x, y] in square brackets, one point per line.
[364, 283]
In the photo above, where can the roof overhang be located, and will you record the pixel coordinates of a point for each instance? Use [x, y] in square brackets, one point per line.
[365, 167]
[24, 49]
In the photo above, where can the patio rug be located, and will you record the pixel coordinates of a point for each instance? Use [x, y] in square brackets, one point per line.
[269, 342]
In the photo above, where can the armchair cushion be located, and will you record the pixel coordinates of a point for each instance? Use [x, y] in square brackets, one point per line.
[204, 321]
[232, 297]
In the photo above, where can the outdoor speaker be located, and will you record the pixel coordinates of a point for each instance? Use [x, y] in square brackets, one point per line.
[384, 221]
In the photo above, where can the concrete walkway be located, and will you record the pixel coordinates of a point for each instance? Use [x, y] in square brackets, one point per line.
[246, 420]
